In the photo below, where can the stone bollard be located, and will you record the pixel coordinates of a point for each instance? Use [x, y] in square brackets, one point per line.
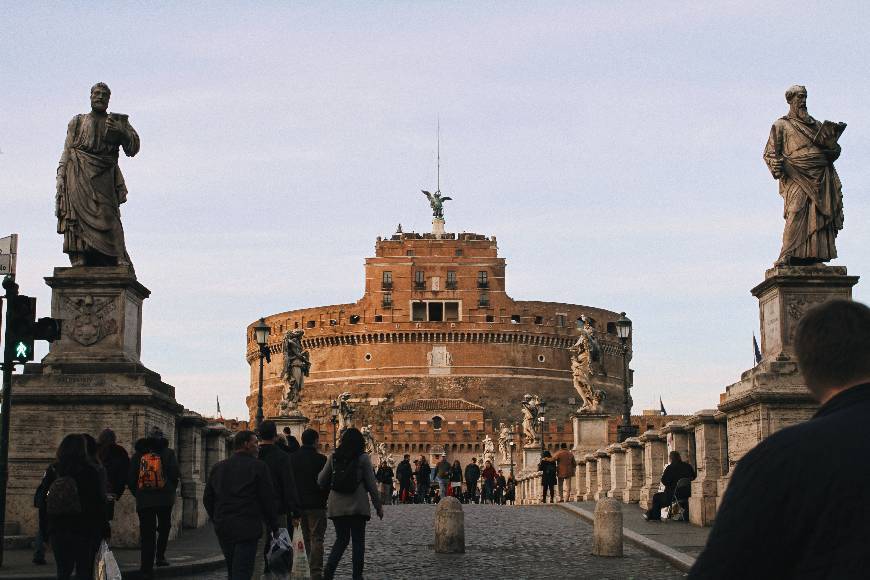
[607, 529]
[450, 527]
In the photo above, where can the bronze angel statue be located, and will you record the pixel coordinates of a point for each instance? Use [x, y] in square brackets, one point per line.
[436, 200]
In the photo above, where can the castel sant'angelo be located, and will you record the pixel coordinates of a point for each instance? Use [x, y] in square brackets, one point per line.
[436, 354]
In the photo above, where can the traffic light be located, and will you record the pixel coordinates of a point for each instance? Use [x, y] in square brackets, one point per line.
[23, 328]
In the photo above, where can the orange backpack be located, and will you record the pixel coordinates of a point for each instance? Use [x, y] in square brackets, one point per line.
[151, 472]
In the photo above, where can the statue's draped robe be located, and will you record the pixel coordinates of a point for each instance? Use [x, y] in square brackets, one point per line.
[810, 188]
[88, 211]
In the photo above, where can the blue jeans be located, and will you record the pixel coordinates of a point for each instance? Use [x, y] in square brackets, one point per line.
[345, 527]
[442, 486]
[240, 558]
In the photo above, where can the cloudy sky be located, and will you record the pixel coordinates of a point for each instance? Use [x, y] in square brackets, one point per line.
[614, 148]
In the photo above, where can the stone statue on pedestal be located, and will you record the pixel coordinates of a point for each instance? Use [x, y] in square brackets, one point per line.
[369, 438]
[345, 412]
[488, 450]
[296, 367]
[436, 201]
[800, 153]
[90, 186]
[585, 363]
[530, 418]
[504, 442]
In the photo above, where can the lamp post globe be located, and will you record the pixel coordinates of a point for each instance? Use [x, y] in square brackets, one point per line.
[623, 331]
[261, 336]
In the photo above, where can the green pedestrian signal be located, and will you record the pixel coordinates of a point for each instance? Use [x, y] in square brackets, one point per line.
[22, 352]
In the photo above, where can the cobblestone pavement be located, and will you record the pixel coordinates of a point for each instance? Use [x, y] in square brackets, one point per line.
[501, 542]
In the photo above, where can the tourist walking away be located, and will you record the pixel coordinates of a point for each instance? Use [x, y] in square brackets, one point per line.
[547, 467]
[116, 462]
[456, 480]
[489, 474]
[500, 485]
[676, 470]
[350, 478]
[41, 538]
[442, 475]
[384, 476]
[424, 479]
[405, 473]
[239, 497]
[510, 490]
[796, 505]
[307, 463]
[565, 466]
[153, 479]
[75, 504]
[472, 476]
[286, 495]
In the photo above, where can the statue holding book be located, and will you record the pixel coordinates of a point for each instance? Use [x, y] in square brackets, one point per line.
[800, 153]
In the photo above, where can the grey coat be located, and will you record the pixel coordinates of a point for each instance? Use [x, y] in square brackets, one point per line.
[356, 503]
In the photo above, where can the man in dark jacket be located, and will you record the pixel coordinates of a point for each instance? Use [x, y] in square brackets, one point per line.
[796, 505]
[424, 480]
[153, 478]
[286, 496]
[472, 476]
[404, 473]
[676, 470]
[307, 463]
[239, 497]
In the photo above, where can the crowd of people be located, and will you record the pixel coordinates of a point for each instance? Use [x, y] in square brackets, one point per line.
[420, 482]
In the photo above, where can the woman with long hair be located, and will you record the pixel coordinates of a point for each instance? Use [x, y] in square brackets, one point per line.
[349, 475]
[77, 514]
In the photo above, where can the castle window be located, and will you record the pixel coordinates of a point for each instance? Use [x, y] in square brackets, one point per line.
[387, 281]
[490, 318]
[541, 358]
[333, 322]
[561, 320]
[354, 318]
[418, 311]
[379, 318]
[419, 280]
[368, 356]
[451, 279]
[482, 279]
[296, 324]
[451, 311]
[310, 323]
[458, 253]
[436, 422]
[611, 328]
[436, 311]
[539, 320]
[515, 318]
[388, 300]
[483, 300]
[409, 253]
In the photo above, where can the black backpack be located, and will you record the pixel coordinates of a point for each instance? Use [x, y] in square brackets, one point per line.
[344, 475]
[62, 498]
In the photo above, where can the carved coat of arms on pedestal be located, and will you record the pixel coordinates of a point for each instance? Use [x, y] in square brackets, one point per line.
[92, 318]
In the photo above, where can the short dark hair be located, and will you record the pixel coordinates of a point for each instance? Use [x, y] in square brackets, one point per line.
[407, 456]
[268, 430]
[287, 431]
[832, 343]
[674, 457]
[241, 439]
[310, 437]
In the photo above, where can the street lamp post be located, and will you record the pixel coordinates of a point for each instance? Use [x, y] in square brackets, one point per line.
[511, 447]
[261, 336]
[333, 409]
[542, 417]
[623, 331]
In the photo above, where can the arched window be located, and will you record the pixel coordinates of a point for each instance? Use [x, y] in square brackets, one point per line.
[436, 422]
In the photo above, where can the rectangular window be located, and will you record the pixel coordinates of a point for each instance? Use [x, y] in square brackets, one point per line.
[451, 311]
[418, 311]
[436, 311]
[490, 318]
[451, 279]
[539, 320]
[458, 253]
[515, 318]
[379, 318]
[310, 323]
[387, 281]
[409, 253]
[354, 318]
[561, 319]
[388, 299]
[483, 300]
[482, 279]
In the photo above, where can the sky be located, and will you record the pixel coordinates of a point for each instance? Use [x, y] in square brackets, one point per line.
[614, 149]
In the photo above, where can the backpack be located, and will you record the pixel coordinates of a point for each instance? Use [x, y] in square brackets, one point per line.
[151, 472]
[62, 498]
[344, 475]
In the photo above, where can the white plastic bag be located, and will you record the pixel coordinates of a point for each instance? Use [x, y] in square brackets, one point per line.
[301, 570]
[279, 556]
[105, 565]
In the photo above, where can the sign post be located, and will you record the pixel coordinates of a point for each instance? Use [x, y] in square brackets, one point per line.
[8, 253]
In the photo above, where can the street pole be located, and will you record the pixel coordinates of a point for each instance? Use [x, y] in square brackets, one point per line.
[334, 433]
[8, 353]
[625, 430]
[260, 394]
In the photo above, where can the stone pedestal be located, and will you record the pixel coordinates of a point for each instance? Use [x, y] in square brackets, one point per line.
[438, 227]
[191, 446]
[677, 438]
[617, 471]
[603, 476]
[531, 458]
[710, 457]
[655, 453]
[295, 420]
[590, 432]
[579, 487]
[633, 469]
[91, 379]
[591, 477]
[773, 394]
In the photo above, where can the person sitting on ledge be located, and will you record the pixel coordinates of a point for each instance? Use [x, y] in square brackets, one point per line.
[797, 503]
[674, 472]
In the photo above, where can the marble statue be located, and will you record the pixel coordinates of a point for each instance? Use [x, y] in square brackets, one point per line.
[436, 201]
[800, 153]
[90, 186]
[504, 447]
[586, 363]
[488, 450]
[369, 438]
[345, 412]
[530, 419]
[296, 367]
